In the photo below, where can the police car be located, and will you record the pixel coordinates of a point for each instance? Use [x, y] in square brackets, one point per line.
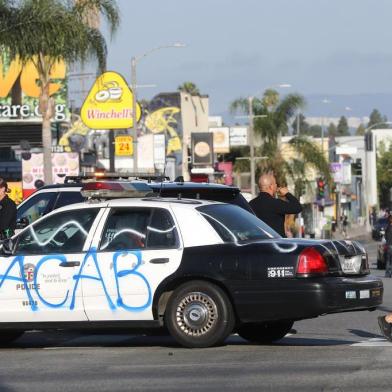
[202, 269]
[51, 197]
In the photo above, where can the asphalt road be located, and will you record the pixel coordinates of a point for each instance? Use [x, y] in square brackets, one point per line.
[340, 352]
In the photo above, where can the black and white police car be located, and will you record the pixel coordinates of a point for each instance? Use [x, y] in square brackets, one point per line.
[202, 269]
[51, 197]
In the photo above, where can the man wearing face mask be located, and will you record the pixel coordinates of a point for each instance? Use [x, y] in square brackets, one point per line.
[7, 212]
[270, 209]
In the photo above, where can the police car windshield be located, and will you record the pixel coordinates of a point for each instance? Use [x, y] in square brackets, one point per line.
[234, 224]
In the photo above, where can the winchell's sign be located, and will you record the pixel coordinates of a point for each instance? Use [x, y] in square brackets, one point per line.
[109, 104]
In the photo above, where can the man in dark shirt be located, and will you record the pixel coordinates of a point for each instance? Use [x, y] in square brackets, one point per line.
[7, 212]
[270, 209]
[388, 251]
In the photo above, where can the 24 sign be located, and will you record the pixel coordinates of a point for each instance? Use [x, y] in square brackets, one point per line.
[124, 145]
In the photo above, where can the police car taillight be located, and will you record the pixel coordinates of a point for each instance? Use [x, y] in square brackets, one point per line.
[311, 262]
[112, 189]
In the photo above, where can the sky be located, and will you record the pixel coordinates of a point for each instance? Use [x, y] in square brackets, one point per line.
[239, 48]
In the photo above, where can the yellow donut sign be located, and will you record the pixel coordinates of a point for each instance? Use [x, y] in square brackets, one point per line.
[109, 104]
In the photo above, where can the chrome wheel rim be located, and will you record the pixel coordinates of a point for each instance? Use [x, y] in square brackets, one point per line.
[196, 314]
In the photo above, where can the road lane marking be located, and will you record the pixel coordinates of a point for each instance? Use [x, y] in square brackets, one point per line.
[373, 342]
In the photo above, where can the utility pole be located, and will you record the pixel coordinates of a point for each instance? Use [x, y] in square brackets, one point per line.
[252, 149]
[134, 119]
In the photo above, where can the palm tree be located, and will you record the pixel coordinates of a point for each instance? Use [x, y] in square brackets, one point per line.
[275, 114]
[189, 87]
[48, 31]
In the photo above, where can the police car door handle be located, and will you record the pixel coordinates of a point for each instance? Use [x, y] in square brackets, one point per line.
[69, 263]
[161, 260]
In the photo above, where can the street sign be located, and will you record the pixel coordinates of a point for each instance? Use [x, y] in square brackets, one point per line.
[336, 169]
[346, 150]
[123, 145]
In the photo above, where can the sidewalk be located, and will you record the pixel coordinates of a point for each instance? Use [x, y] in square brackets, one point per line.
[355, 231]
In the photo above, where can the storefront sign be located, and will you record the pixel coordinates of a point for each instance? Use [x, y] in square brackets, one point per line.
[27, 111]
[202, 148]
[221, 140]
[28, 78]
[109, 104]
[27, 74]
[63, 164]
[238, 136]
[123, 145]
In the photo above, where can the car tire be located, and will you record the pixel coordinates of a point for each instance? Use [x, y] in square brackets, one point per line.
[265, 332]
[199, 314]
[8, 336]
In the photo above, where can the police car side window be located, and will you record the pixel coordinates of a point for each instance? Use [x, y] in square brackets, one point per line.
[65, 232]
[161, 232]
[37, 206]
[125, 229]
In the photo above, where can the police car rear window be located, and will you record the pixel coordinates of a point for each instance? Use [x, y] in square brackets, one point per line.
[234, 224]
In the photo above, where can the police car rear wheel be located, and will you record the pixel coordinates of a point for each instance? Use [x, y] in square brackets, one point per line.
[7, 336]
[265, 332]
[199, 314]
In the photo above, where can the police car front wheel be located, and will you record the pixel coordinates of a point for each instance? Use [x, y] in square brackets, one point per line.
[199, 314]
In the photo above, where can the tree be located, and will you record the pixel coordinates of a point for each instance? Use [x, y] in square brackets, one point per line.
[299, 125]
[342, 128]
[332, 131]
[360, 130]
[48, 31]
[189, 87]
[376, 118]
[270, 127]
[315, 131]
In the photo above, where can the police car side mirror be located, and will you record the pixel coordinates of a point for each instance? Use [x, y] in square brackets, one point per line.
[22, 223]
[7, 247]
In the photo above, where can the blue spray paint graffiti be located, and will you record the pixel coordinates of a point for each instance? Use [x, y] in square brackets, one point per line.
[133, 271]
[92, 256]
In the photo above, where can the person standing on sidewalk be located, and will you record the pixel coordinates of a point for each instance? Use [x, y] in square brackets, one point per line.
[344, 223]
[273, 210]
[388, 253]
[7, 212]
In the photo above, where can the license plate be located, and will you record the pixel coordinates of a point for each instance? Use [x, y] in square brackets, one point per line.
[351, 265]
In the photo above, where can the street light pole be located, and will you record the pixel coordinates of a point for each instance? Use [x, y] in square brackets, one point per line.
[252, 149]
[134, 119]
[134, 61]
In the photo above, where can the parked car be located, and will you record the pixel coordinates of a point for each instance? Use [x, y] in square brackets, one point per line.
[202, 269]
[378, 229]
[51, 197]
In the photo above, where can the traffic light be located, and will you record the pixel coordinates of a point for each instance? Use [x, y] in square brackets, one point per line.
[320, 188]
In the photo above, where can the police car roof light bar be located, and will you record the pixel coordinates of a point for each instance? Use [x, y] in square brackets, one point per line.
[116, 176]
[115, 189]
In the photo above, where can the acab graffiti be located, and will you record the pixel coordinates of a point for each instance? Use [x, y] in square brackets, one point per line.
[24, 280]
